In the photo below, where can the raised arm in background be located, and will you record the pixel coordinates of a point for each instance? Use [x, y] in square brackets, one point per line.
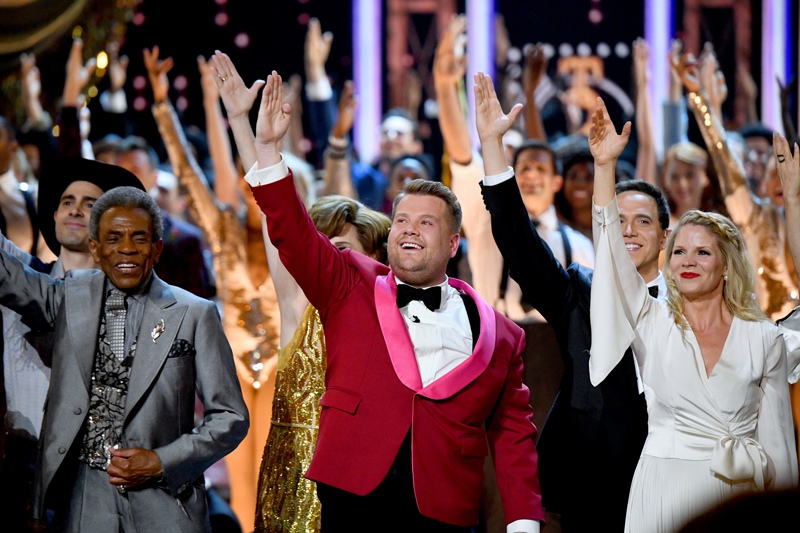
[761, 223]
[676, 120]
[238, 101]
[319, 95]
[713, 80]
[226, 177]
[465, 165]
[78, 75]
[449, 67]
[35, 116]
[338, 174]
[646, 164]
[533, 71]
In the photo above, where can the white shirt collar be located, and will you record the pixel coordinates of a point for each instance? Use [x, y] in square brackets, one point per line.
[548, 220]
[9, 183]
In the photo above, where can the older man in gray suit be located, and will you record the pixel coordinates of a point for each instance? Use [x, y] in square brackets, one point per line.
[119, 448]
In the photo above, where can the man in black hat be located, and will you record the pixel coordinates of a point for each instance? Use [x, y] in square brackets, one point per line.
[68, 189]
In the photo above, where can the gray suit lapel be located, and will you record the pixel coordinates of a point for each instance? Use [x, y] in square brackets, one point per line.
[82, 306]
[150, 355]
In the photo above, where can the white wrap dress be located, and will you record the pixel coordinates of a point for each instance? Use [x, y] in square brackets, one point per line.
[710, 437]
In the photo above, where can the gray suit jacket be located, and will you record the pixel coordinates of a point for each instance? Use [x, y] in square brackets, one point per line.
[190, 355]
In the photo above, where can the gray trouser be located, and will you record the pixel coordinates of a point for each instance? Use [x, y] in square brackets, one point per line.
[96, 506]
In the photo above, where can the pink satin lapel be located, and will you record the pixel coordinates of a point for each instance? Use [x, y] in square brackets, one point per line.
[395, 333]
[474, 366]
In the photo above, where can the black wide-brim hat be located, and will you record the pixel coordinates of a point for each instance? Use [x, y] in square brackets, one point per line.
[58, 172]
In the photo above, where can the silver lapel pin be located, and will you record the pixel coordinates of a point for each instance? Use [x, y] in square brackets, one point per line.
[158, 330]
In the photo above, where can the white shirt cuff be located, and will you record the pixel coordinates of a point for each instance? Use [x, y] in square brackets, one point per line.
[257, 177]
[526, 526]
[114, 102]
[319, 90]
[604, 215]
[497, 179]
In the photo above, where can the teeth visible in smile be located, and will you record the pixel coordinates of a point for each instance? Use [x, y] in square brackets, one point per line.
[407, 245]
[126, 265]
[632, 247]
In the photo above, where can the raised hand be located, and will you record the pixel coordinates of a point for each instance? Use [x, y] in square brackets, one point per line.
[317, 49]
[157, 70]
[117, 67]
[236, 97]
[490, 120]
[606, 145]
[450, 63]
[273, 114]
[675, 84]
[787, 162]
[347, 111]
[209, 86]
[685, 67]
[31, 78]
[713, 80]
[535, 67]
[78, 74]
[641, 58]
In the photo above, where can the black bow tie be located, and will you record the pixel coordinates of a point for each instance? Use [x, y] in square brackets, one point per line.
[431, 297]
[653, 291]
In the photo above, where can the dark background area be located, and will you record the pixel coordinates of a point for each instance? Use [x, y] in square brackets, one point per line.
[276, 31]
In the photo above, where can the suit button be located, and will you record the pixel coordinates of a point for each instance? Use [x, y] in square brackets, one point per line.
[182, 488]
[62, 450]
[77, 410]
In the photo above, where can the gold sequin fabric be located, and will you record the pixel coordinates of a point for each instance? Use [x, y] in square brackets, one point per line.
[249, 313]
[762, 224]
[287, 502]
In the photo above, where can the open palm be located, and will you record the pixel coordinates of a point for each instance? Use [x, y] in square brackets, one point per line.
[236, 97]
[489, 117]
[606, 145]
[273, 114]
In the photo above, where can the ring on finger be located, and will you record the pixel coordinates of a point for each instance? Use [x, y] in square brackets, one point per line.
[781, 158]
[121, 489]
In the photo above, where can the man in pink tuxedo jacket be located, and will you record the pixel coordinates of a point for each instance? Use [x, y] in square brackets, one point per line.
[416, 394]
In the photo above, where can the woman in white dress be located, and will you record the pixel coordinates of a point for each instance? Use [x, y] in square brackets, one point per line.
[712, 366]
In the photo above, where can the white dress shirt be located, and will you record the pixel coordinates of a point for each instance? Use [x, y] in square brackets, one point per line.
[442, 339]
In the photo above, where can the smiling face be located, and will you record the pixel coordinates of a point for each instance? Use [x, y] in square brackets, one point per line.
[537, 180]
[697, 263]
[421, 240]
[72, 215]
[125, 249]
[397, 138]
[579, 185]
[644, 238]
[684, 184]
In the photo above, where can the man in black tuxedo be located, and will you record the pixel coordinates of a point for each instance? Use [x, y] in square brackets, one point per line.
[593, 436]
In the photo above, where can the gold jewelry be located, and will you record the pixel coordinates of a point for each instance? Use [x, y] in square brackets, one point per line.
[223, 78]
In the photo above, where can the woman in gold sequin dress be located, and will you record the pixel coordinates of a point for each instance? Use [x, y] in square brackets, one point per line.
[286, 501]
[245, 289]
[761, 222]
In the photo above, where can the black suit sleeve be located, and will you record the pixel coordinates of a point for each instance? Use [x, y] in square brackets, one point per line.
[543, 280]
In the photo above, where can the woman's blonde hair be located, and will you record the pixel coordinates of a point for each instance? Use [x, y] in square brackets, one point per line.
[738, 288]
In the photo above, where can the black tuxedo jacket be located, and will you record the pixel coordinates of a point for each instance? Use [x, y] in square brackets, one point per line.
[593, 436]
